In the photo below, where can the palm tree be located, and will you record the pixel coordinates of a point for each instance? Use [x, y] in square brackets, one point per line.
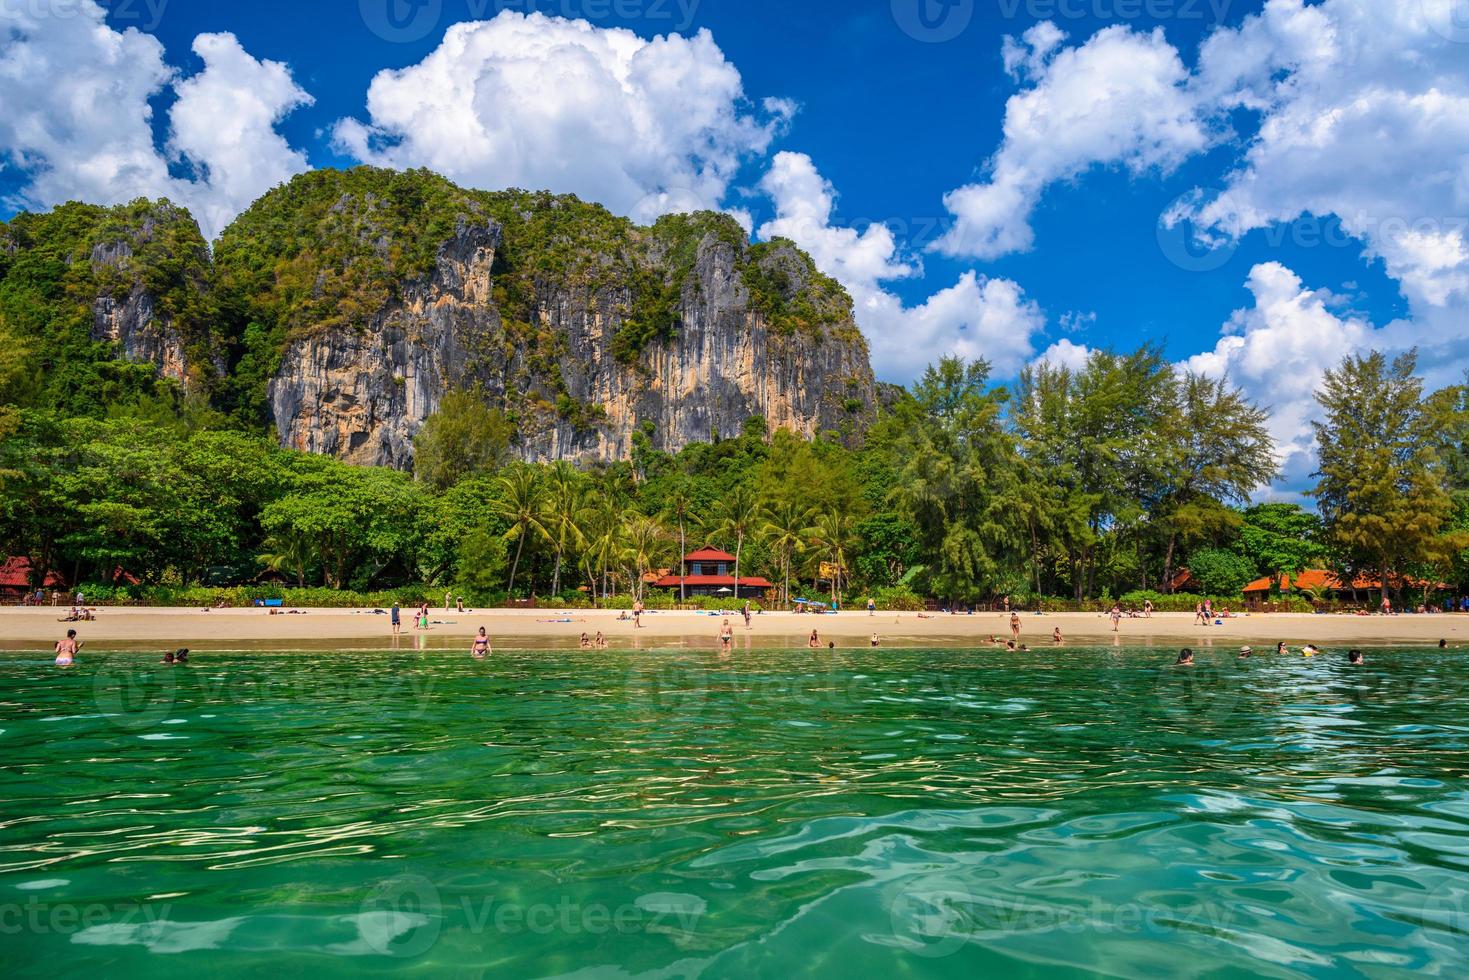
[603, 529]
[784, 528]
[646, 541]
[737, 516]
[680, 506]
[520, 505]
[831, 535]
[563, 514]
[287, 552]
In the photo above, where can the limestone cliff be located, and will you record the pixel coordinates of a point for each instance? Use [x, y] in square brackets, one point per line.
[92, 286]
[385, 291]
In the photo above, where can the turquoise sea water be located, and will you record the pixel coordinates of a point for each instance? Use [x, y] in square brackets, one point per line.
[917, 813]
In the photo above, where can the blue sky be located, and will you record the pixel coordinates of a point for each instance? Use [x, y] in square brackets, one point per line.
[1313, 158]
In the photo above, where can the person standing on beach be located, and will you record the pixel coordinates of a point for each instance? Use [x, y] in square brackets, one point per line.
[747, 614]
[871, 607]
[637, 614]
[395, 618]
[67, 648]
[1014, 622]
[1116, 616]
[726, 636]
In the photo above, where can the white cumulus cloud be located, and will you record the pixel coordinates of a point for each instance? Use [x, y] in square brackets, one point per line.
[76, 123]
[1279, 349]
[975, 317]
[641, 126]
[1120, 99]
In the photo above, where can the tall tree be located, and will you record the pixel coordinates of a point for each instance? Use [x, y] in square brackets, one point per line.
[464, 436]
[957, 464]
[520, 505]
[1382, 482]
[784, 524]
[831, 536]
[736, 516]
[1220, 451]
[679, 505]
[564, 510]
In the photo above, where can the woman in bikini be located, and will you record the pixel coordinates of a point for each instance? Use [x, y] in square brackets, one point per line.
[815, 641]
[586, 643]
[726, 636]
[481, 645]
[66, 649]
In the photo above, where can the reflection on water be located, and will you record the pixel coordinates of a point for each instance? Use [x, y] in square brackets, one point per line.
[915, 812]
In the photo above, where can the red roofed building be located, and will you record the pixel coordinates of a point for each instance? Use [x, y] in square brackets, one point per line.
[15, 577]
[708, 572]
[1326, 583]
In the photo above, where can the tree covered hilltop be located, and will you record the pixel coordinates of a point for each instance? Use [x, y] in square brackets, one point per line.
[380, 382]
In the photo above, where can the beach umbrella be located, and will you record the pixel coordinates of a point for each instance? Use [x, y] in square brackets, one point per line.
[725, 589]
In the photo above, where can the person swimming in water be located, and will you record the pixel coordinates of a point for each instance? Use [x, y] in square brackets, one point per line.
[481, 645]
[1309, 650]
[1245, 652]
[167, 658]
[1281, 647]
[181, 657]
[1185, 658]
[67, 648]
[1354, 656]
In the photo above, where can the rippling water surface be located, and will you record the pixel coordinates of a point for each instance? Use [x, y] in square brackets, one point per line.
[843, 814]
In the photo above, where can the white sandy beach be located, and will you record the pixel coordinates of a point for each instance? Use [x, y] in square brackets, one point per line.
[153, 628]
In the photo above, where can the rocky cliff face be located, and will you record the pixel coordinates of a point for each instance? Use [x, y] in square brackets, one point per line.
[742, 331]
[132, 323]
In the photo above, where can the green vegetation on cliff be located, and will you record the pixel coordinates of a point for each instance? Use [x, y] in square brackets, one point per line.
[54, 267]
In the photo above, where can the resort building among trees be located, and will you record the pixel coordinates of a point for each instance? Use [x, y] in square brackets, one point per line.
[709, 571]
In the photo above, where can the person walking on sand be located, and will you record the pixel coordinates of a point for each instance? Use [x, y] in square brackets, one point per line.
[747, 614]
[637, 614]
[67, 648]
[481, 647]
[1014, 622]
[871, 607]
[395, 618]
[1199, 614]
[1116, 616]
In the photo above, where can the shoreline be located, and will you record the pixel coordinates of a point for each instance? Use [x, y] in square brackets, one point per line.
[160, 628]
